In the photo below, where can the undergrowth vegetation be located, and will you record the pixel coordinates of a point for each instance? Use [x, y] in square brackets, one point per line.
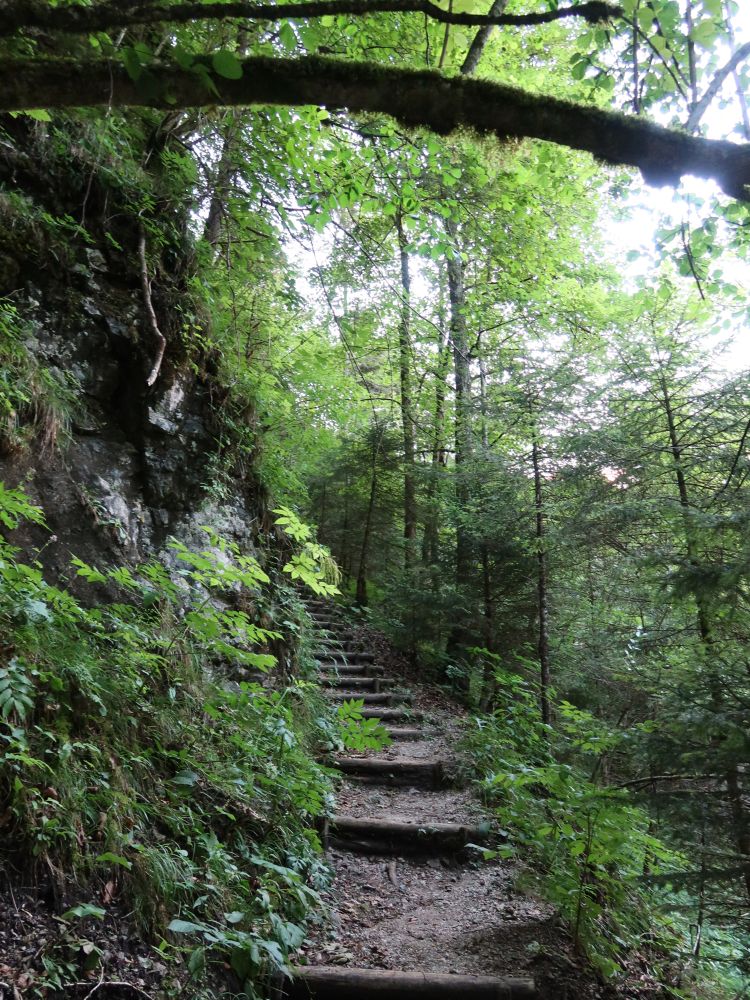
[136, 776]
[584, 844]
[37, 402]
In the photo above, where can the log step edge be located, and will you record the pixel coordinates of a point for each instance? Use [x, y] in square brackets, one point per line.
[398, 733]
[364, 835]
[335, 983]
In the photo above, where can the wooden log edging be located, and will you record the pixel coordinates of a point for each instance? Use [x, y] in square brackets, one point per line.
[385, 771]
[350, 669]
[398, 733]
[381, 836]
[335, 983]
[391, 714]
[331, 656]
[369, 698]
[369, 683]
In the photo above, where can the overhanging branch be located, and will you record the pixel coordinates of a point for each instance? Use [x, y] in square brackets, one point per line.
[413, 97]
[21, 15]
[700, 108]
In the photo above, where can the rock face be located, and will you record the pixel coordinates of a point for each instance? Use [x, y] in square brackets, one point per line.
[116, 466]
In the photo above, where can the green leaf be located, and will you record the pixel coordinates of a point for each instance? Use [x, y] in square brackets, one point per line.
[115, 859]
[183, 58]
[84, 910]
[287, 37]
[184, 927]
[38, 115]
[197, 961]
[132, 62]
[186, 777]
[705, 33]
[226, 64]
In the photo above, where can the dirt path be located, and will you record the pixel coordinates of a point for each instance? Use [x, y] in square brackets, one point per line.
[403, 900]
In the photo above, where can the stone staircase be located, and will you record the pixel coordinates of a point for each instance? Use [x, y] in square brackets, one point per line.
[347, 672]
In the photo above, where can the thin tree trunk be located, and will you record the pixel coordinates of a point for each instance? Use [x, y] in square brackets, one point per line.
[700, 916]
[431, 528]
[542, 584]
[462, 376]
[692, 71]
[690, 547]
[407, 405]
[360, 596]
[345, 546]
[481, 38]
[222, 185]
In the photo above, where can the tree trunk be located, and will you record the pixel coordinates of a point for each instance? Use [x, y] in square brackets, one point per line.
[542, 585]
[690, 546]
[360, 596]
[481, 38]
[407, 406]
[222, 184]
[346, 548]
[438, 458]
[462, 376]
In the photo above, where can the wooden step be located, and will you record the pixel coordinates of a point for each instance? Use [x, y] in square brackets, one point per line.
[327, 656]
[368, 697]
[385, 771]
[352, 670]
[380, 836]
[321, 982]
[391, 714]
[403, 733]
[355, 681]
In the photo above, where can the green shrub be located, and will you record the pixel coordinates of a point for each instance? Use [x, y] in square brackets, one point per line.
[132, 770]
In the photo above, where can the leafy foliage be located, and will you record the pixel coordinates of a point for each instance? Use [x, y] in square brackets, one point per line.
[591, 845]
[198, 797]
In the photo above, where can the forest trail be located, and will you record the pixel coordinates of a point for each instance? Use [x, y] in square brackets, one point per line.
[415, 908]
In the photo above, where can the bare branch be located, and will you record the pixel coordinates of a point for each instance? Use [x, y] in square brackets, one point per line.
[481, 38]
[701, 106]
[413, 97]
[161, 343]
[21, 15]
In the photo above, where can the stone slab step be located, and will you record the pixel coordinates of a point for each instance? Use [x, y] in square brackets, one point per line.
[323, 982]
[386, 771]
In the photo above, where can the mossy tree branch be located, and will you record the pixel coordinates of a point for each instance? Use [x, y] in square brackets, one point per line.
[21, 14]
[412, 97]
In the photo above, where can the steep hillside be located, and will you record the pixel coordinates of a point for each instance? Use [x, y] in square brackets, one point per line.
[145, 774]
